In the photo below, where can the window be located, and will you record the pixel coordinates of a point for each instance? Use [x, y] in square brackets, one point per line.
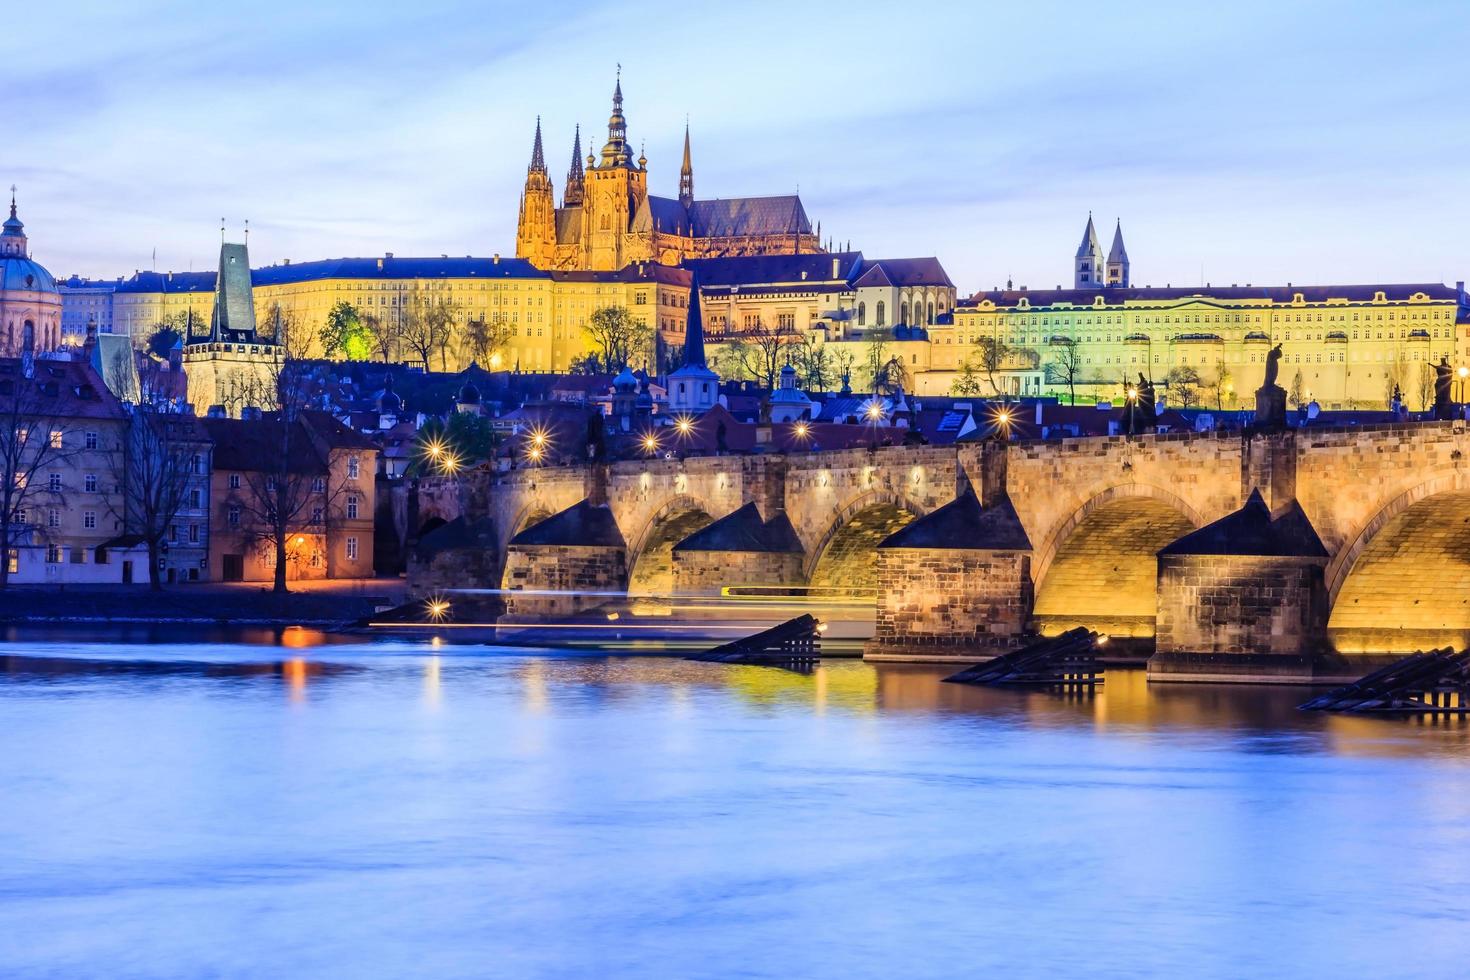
[234, 517]
[89, 520]
[318, 485]
[14, 559]
[56, 439]
[91, 440]
[234, 481]
[196, 465]
[90, 482]
[862, 314]
[316, 515]
[352, 506]
[55, 483]
[351, 548]
[196, 498]
[352, 467]
[193, 533]
[881, 321]
[53, 554]
[53, 517]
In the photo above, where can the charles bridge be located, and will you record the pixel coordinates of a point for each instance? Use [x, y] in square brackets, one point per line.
[1254, 556]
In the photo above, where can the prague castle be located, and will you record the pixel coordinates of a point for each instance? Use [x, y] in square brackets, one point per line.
[608, 219]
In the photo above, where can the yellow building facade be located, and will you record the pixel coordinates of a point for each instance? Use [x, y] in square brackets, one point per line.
[1342, 346]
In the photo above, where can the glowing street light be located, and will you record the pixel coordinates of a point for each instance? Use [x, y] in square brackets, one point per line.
[1001, 418]
[650, 443]
[438, 608]
[684, 425]
[801, 430]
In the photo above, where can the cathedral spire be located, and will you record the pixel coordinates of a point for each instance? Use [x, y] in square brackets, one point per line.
[686, 173]
[576, 177]
[1088, 264]
[615, 153]
[538, 159]
[1117, 268]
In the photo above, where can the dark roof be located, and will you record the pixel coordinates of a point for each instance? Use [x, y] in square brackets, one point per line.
[926, 271]
[962, 524]
[168, 282]
[1276, 294]
[744, 530]
[582, 525]
[458, 533]
[734, 217]
[764, 270]
[1253, 531]
[59, 389]
[667, 215]
[254, 446]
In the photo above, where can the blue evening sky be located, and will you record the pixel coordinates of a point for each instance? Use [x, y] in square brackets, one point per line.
[1244, 141]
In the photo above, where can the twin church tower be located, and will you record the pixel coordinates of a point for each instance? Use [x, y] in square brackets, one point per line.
[1092, 269]
[608, 220]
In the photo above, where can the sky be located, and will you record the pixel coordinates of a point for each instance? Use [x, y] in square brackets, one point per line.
[1262, 142]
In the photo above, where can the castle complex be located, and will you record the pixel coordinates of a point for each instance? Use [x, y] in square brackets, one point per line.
[608, 219]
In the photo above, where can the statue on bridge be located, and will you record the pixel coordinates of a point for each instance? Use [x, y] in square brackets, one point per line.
[1444, 409]
[1271, 397]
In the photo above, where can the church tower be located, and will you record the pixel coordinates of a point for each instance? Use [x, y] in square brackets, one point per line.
[1090, 268]
[571, 197]
[686, 175]
[615, 186]
[1117, 274]
[536, 229]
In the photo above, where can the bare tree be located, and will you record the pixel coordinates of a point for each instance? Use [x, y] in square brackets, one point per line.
[34, 436]
[1426, 386]
[162, 460]
[1223, 391]
[813, 363]
[288, 331]
[764, 351]
[1065, 365]
[429, 327]
[1184, 385]
[483, 339]
[384, 334]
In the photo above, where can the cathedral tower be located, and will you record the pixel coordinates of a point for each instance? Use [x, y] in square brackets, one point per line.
[536, 229]
[1117, 274]
[571, 197]
[616, 186]
[1090, 268]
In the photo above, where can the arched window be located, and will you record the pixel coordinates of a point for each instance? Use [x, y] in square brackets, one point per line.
[930, 318]
[880, 313]
[862, 314]
[903, 313]
[28, 335]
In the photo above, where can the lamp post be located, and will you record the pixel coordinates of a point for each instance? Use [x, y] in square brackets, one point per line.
[1463, 372]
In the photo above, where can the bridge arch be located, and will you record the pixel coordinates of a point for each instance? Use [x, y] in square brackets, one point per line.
[845, 555]
[651, 552]
[1403, 582]
[1097, 567]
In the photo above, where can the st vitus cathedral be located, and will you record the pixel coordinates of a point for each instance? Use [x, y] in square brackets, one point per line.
[608, 220]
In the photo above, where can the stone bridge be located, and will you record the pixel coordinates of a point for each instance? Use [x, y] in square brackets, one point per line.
[1288, 550]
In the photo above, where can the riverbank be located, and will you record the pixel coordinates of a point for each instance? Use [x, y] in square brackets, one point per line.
[324, 604]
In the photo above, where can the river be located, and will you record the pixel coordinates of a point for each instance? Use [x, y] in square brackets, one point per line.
[290, 804]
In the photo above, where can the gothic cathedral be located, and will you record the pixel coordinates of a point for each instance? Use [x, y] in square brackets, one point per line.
[608, 220]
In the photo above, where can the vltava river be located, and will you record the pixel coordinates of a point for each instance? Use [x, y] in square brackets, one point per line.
[395, 810]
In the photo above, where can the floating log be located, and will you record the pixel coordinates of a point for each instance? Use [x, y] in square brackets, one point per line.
[1067, 661]
[794, 643]
[1436, 682]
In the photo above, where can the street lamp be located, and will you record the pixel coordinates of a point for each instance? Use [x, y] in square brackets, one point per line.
[1463, 372]
[874, 414]
[650, 443]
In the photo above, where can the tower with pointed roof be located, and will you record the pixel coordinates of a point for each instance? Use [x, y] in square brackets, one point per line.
[1089, 264]
[236, 365]
[686, 175]
[576, 187]
[536, 227]
[616, 186]
[1117, 272]
[693, 387]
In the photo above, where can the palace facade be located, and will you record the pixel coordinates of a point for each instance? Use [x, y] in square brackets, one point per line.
[608, 219]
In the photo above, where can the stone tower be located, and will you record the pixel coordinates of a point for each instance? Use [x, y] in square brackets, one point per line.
[536, 228]
[616, 186]
[1117, 270]
[1090, 268]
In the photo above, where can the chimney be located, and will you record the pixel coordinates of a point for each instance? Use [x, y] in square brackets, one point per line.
[836, 268]
[496, 259]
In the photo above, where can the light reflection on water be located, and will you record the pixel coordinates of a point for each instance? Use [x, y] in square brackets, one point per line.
[357, 809]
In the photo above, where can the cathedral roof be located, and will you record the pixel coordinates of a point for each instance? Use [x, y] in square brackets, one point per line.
[1089, 244]
[662, 214]
[1118, 253]
[733, 217]
[568, 225]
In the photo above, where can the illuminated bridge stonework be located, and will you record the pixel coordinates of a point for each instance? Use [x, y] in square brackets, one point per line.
[971, 548]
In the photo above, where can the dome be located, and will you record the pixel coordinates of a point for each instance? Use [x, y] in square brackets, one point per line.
[625, 380]
[389, 400]
[20, 273]
[469, 394]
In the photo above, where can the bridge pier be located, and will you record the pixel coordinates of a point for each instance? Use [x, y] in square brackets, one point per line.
[579, 554]
[1242, 600]
[953, 585]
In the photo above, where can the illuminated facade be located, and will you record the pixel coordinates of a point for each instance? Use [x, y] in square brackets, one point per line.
[608, 219]
[30, 305]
